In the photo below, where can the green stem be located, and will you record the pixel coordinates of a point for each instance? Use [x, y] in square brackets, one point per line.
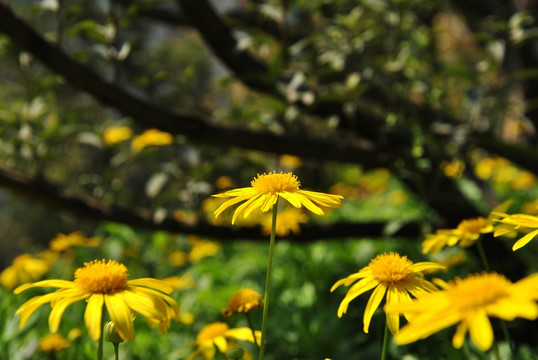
[249, 320]
[482, 254]
[385, 341]
[117, 351]
[268, 280]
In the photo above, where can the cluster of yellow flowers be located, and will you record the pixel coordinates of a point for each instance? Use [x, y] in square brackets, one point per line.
[428, 306]
[467, 302]
[152, 137]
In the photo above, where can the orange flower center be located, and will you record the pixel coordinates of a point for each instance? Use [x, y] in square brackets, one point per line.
[273, 183]
[211, 331]
[477, 291]
[391, 268]
[100, 277]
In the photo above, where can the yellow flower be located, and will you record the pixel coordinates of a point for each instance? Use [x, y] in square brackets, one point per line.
[180, 282]
[290, 162]
[177, 258]
[468, 303]
[151, 137]
[287, 221]
[224, 182]
[116, 134]
[201, 249]
[465, 235]
[267, 188]
[219, 336]
[24, 268]
[53, 343]
[63, 242]
[524, 180]
[517, 222]
[453, 169]
[388, 273]
[243, 301]
[74, 334]
[104, 283]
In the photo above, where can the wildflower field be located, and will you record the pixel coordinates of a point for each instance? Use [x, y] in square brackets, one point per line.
[268, 179]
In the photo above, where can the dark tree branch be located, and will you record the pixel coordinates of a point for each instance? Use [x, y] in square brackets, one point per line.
[193, 126]
[221, 40]
[238, 16]
[41, 191]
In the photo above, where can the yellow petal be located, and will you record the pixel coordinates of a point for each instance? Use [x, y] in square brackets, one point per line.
[28, 308]
[45, 283]
[60, 305]
[350, 279]
[153, 284]
[309, 205]
[459, 336]
[524, 240]
[354, 291]
[121, 315]
[93, 315]
[426, 265]
[291, 198]
[393, 319]
[243, 333]
[480, 330]
[373, 304]
[423, 326]
[147, 305]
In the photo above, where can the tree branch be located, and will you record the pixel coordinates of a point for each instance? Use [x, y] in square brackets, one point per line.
[39, 190]
[191, 125]
[220, 39]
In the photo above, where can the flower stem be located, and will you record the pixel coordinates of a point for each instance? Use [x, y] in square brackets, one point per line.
[482, 254]
[268, 280]
[117, 351]
[385, 341]
[249, 320]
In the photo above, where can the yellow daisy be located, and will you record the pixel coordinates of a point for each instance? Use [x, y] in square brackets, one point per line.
[243, 301]
[219, 336]
[267, 188]
[468, 303]
[288, 221]
[151, 137]
[105, 283]
[392, 274]
[63, 242]
[116, 134]
[52, 343]
[465, 235]
[517, 222]
[24, 268]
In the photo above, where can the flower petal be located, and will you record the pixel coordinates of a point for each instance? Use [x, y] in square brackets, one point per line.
[480, 330]
[121, 315]
[45, 283]
[524, 240]
[373, 304]
[393, 319]
[152, 284]
[459, 336]
[59, 307]
[356, 290]
[93, 315]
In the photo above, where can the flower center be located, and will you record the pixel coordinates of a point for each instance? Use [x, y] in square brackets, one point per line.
[273, 183]
[391, 268]
[211, 331]
[473, 226]
[100, 277]
[477, 291]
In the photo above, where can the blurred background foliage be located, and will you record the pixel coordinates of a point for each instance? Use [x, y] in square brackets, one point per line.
[119, 119]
